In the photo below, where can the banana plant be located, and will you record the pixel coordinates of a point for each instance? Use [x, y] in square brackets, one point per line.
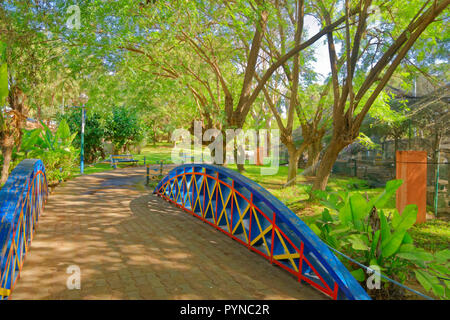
[361, 228]
[61, 140]
[55, 149]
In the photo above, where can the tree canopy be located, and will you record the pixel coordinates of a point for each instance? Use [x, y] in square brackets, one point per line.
[229, 64]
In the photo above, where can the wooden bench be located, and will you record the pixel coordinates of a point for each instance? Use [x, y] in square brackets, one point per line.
[116, 158]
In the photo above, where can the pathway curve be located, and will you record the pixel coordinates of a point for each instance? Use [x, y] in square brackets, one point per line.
[130, 244]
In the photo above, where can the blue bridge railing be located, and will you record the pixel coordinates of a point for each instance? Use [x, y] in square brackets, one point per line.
[22, 200]
[251, 215]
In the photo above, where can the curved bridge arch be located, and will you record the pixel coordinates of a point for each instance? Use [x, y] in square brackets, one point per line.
[22, 200]
[251, 215]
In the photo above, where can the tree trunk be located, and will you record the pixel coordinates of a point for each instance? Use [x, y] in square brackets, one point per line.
[236, 121]
[294, 154]
[328, 160]
[11, 133]
[436, 145]
[313, 158]
[7, 156]
[237, 150]
[269, 142]
[224, 148]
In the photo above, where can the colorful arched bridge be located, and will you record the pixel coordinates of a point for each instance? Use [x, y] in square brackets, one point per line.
[106, 236]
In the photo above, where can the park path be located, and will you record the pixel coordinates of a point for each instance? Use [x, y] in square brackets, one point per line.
[130, 244]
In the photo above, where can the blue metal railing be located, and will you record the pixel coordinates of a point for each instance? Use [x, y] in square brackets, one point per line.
[250, 214]
[22, 200]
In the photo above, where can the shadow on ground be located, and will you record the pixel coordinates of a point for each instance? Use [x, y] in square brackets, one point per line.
[130, 244]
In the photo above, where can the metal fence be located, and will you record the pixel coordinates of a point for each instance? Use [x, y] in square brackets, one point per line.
[377, 172]
[22, 200]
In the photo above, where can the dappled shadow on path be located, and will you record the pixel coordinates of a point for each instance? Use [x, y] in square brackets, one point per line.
[130, 244]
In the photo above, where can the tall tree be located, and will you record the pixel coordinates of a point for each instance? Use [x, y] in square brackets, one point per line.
[371, 59]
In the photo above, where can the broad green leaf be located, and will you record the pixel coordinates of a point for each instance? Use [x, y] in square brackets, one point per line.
[72, 137]
[393, 244]
[49, 139]
[407, 248]
[426, 284]
[345, 214]
[359, 274]
[407, 239]
[326, 215]
[315, 229]
[442, 256]
[358, 207]
[359, 242]
[384, 226]
[416, 256]
[406, 220]
[429, 281]
[338, 230]
[381, 201]
[444, 270]
[332, 241]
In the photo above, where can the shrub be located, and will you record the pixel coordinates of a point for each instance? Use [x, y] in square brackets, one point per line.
[94, 133]
[123, 128]
[55, 150]
[361, 229]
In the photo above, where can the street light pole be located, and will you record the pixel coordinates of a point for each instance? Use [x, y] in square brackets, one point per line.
[83, 122]
[83, 99]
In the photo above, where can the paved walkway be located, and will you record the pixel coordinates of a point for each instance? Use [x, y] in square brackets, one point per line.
[130, 244]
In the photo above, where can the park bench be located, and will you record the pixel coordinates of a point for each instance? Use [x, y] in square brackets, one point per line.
[117, 158]
[187, 156]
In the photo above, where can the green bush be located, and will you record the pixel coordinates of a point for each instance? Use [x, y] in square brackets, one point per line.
[55, 150]
[94, 133]
[361, 229]
[123, 128]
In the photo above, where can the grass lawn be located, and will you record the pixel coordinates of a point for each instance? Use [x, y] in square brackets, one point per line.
[152, 155]
[432, 235]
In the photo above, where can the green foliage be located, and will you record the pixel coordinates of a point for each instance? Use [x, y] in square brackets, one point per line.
[94, 133]
[123, 128]
[56, 150]
[367, 142]
[3, 74]
[360, 228]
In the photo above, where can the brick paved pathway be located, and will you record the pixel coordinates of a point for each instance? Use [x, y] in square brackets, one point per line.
[130, 244]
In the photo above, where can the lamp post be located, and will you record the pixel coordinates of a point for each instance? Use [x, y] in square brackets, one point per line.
[83, 99]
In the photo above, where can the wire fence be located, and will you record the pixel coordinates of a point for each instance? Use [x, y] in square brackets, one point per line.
[377, 168]
[377, 172]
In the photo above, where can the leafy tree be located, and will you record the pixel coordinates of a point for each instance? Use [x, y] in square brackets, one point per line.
[231, 27]
[123, 128]
[368, 65]
[94, 133]
[32, 59]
